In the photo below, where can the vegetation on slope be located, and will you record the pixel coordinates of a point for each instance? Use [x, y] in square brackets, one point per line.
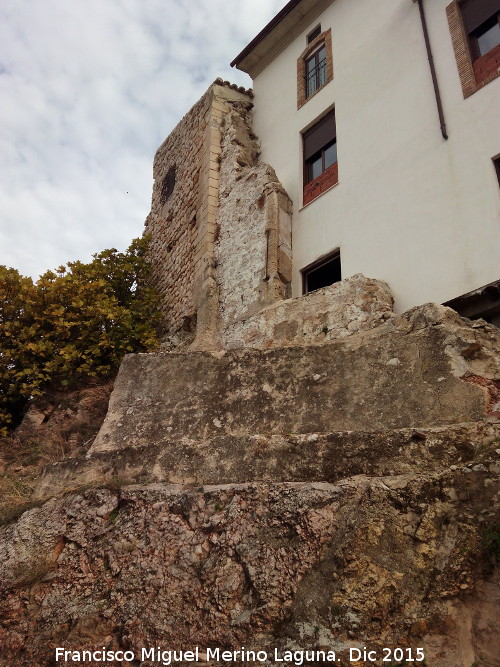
[72, 325]
[58, 425]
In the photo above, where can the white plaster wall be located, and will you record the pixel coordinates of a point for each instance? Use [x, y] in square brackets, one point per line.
[414, 210]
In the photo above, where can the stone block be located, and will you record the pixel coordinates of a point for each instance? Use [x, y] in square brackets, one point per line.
[348, 384]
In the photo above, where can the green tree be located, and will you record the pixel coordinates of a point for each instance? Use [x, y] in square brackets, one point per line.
[73, 324]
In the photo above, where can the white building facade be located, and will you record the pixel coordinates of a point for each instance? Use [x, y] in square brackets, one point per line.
[391, 174]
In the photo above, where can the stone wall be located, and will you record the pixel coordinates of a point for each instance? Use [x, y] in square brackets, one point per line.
[182, 220]
[220, 222]
[426, 368]
[253, 250]
[342, 309]
[173, 218]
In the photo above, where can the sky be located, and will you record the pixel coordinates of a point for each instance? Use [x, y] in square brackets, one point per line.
[89, 89]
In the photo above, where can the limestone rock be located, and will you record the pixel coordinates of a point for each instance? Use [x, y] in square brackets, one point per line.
[382, 562]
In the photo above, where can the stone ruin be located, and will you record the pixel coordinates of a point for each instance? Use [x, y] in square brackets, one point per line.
[221, 242]
[213, 205]
[283, 474]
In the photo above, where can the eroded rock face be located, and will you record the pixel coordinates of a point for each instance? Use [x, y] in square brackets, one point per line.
[382, 535]
[307, 457]
[420, 369]
[399, 560]
[57, 425]
[69, 419]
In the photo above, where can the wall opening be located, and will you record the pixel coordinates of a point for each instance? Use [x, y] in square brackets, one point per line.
[323, 272]
[168, 185]
[314, 33]
[482, 303]
[496, 163]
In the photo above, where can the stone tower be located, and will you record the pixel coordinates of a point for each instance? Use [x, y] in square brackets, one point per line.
[220, 222]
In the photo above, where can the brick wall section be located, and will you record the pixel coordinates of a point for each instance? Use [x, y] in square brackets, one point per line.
[322, 183]
[473, 76]
[487, 67]
[326, 38]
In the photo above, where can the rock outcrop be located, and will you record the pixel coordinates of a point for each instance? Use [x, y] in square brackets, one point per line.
[421, 369]
[330, 497]
[401, 560]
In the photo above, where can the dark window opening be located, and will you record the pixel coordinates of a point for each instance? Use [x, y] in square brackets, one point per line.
[482, 25]
[483, 303]
[320, 147]
[315, 75]
[322, 273]
[168, 185]
[496, 162]
[315, 33]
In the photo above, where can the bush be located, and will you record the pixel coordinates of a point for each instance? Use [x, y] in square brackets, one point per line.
[73, 324]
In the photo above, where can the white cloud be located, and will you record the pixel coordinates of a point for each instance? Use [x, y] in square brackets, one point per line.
[89, 90]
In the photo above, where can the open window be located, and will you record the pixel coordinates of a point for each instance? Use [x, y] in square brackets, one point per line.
[483, 303]
[314, 33]
[323, 272]
[320, 157]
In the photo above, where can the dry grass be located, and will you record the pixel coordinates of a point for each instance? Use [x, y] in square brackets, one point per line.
[64, 426]
[15, 494]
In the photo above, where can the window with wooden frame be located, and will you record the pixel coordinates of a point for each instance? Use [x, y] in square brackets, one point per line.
[320, 157]
[323, 272]
[315, 71]
[475, 33]
[481, 22]
[314, 66]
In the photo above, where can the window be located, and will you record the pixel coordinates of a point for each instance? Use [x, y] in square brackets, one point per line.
[320, 157]
[482, 303]
[481, 23]
[322, 273]
[315, 33]
[315, 75]
[167, 187]
[314, 66]
[475, 33]
[486, 37]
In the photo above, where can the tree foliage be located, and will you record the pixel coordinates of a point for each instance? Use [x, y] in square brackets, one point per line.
[73, 324]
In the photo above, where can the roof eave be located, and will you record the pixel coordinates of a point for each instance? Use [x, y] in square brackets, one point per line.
[238, 62]
[295, 16]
